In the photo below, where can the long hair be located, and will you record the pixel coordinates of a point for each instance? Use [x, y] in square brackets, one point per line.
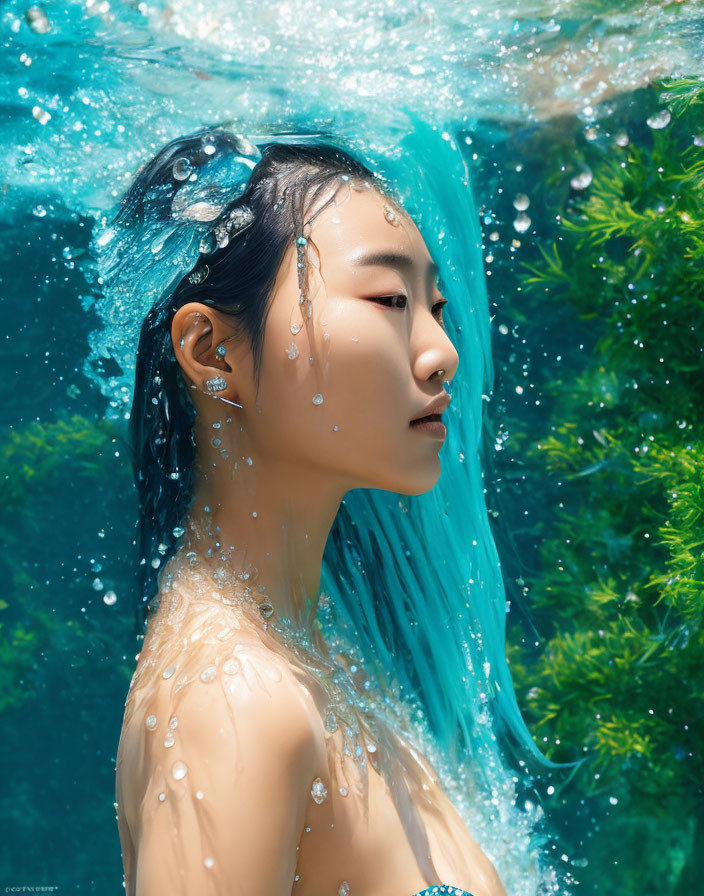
[240, 282]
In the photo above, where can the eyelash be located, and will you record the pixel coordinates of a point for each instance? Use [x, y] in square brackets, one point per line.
[437, 305]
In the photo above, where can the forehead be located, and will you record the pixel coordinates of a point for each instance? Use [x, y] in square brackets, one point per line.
[358, 218]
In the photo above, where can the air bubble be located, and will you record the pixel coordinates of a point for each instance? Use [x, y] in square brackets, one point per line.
[582, 180]
[660, 120]
[522, 222]
[521, 202]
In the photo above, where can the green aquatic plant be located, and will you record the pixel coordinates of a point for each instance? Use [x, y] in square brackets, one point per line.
[65, 653]
[618, 587]
[44, 467]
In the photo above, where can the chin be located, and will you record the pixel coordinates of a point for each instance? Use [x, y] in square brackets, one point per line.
[417, 483]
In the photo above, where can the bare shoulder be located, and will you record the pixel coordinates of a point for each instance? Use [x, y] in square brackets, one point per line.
[216, 756]
[213, 675]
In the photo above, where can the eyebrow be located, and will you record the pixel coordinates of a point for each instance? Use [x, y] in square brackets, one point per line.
[391, 260]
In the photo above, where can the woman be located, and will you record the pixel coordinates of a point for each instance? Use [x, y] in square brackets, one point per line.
[300, 358]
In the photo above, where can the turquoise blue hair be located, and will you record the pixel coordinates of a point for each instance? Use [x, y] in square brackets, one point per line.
[415, 581]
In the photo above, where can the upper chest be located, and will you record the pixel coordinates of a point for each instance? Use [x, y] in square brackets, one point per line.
[379, 824]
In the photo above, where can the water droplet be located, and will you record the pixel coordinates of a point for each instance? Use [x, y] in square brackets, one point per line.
[318, 791]
[162, 797]
[169, 671]
[199, 794]
[40, 114]
[173, 723]
[178, 531]
[179, 770]
[169, 740]
[582, 180]
[231, 666]
[343, 791]
[522, 222]
[182, 169]
[521, 202]
[150, 722]
[295, 328]
[97, 585]
[207, 244]
[292, 351]
[109, 598]
[343, 889]
[266, 609]
[217, 443]
[330, 720]
[317, 398]
[208, 862]
[209, 673]
[660, 120]
[37, 20]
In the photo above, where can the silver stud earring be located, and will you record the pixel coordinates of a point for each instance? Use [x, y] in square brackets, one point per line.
[217, 384]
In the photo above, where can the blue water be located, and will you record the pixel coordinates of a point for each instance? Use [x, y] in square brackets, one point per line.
[90, 90]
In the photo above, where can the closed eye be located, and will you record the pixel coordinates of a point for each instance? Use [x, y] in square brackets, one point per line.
[389, 301]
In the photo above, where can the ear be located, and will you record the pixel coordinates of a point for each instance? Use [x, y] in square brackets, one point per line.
[197, 331]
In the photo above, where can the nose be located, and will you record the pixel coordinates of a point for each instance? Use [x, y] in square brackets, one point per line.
[434, 351]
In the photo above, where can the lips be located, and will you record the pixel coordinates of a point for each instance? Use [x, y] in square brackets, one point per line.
[434, 408]
[427, 419]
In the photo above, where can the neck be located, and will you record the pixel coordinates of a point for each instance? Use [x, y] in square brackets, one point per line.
[270, 519]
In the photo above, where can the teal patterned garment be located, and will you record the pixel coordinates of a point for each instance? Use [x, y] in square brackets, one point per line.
[443, 890]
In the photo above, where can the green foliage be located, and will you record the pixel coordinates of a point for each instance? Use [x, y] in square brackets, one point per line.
[619, 590]
[35, 461]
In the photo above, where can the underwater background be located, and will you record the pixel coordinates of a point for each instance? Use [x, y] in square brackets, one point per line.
[582, 124]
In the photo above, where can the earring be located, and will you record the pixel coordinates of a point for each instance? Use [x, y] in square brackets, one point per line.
[233, 403]
[217, 384]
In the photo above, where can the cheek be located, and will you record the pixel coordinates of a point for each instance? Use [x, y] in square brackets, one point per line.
[365, 365]
[360, 368]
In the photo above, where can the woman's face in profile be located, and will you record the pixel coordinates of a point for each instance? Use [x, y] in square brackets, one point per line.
[371, 349]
